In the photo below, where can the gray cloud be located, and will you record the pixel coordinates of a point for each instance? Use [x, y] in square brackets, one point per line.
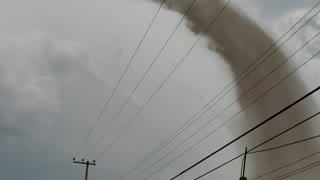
[30, 81]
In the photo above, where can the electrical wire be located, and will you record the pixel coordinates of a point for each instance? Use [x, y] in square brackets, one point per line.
[285, 145]
[121, 77]
[261, 144]
[37, 170]
[185, 125]
[143, 77]
[44, 167]
[285, 166]
[298, 171]
[170, 74]
[57, 170]
[246, 92]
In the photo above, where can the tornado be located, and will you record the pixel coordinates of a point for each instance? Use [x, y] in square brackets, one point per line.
[239, 40]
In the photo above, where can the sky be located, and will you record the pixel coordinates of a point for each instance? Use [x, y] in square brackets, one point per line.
[60, 60]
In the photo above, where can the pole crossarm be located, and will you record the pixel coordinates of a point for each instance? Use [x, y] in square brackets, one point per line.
[85, 162]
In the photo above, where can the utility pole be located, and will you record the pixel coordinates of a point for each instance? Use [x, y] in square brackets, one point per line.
[243, 168]
[87, 165]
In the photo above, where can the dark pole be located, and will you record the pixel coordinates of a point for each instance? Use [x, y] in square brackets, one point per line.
[87, 169]
[243, 169]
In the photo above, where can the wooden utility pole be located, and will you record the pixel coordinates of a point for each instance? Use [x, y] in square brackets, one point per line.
[87, 166]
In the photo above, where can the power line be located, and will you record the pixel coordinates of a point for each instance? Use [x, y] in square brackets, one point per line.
[298, 171]
[45, 170]
[286, 145]
[41, 168]
[269, 149]
[118, 83]
[144, 76]
[192, 120]
[285, 166]
[234, 103]
[247, 132]
[261, 144]
[38, 170]
[170, 74]
[58, 170]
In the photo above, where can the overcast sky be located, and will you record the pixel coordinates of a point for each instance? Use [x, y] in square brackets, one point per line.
[60, 60]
